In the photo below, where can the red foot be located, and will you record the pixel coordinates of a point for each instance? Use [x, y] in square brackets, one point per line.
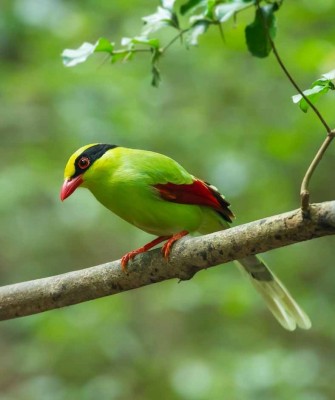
[166, 249]
[129, 256]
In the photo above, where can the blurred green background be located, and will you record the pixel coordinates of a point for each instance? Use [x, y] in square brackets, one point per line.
[228, 118]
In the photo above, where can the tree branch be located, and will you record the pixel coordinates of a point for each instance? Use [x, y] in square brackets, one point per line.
[187, 258]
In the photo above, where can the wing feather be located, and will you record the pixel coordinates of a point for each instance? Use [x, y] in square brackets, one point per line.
[198, 193]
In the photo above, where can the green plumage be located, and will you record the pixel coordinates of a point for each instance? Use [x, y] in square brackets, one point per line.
[125, 181]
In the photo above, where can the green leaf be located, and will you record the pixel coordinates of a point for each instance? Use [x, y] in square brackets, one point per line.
[312, 94]
[168, 4]
[330, 75]
[127, 42]
[104, 45]
[209, 13]
[72, 57]
[156, 76]
[130, 42]
[192, 5]
[162, 18]
[121, 56]
[318, 89]
[225, 11]
[257, 33]
[198, 28]
[324, 82]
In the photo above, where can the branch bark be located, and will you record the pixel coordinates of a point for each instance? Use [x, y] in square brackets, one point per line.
[187, 258]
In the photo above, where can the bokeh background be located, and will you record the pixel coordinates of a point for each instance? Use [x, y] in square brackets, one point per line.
[229, 119]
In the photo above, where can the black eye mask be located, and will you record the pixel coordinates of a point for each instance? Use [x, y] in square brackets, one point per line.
[92, 154]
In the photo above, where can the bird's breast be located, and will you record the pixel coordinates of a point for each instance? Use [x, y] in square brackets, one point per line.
[141, 205]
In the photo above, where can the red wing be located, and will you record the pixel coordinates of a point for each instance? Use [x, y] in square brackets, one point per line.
[199, 193]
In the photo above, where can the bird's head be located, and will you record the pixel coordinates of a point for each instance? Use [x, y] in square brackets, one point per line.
[79, 166]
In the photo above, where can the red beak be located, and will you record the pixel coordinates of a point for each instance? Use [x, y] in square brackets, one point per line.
[69, 186]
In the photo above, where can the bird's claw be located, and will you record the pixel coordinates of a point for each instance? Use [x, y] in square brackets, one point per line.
[166, 249]
[126, 258]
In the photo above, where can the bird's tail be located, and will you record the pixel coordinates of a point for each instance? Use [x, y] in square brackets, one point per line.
[279, 301]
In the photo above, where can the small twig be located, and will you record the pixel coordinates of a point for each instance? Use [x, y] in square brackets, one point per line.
[221, 33]
[105, 59]
[126, 51]
[304, 192]
[289, 76]
[180, 35]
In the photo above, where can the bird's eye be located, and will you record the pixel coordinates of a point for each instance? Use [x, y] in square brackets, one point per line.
[84, 163]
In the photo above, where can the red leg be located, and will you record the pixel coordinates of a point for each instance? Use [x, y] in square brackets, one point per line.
[129, 256]
[166, 249]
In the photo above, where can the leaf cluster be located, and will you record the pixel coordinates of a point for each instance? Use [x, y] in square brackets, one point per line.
[318, 88]
[200, 15]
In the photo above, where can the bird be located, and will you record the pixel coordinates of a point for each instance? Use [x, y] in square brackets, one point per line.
[157, 195]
